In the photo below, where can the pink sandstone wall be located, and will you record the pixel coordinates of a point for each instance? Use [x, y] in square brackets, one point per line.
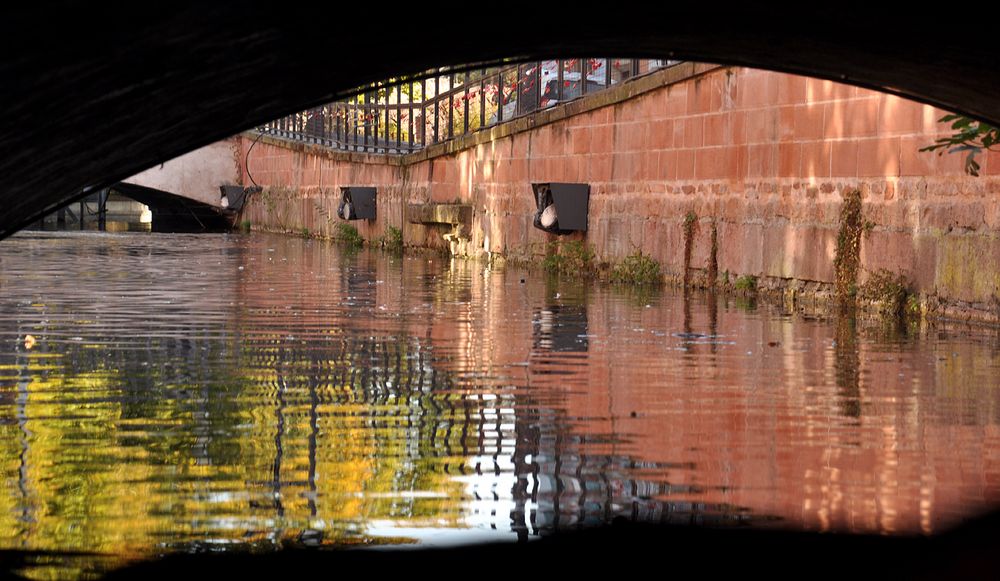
[763, 158]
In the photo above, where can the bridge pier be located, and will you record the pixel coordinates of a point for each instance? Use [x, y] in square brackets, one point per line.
[102, 210]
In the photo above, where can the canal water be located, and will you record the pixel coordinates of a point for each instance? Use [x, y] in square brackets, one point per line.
[167, 393]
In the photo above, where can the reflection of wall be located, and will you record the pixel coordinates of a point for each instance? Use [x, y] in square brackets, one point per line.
[492, 413]
[828, 428]
[560, 328]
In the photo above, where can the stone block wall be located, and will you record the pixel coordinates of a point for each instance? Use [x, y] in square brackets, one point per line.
[762, 158]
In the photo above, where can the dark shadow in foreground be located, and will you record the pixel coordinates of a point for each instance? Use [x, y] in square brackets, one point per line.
[969, 551]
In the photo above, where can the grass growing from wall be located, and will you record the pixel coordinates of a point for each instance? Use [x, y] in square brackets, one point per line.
[637, 268]
[746, 283]
[392, 241]
[571, 257]
[690, 225]
[888, 293]
[848, 252]
[348, 235]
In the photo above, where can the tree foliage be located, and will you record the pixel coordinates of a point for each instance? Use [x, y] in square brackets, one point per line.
[970, 136]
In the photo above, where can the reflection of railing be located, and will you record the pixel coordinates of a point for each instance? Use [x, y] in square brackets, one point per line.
[404, 116]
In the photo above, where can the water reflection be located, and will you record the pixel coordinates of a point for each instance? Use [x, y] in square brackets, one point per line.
[193, 392]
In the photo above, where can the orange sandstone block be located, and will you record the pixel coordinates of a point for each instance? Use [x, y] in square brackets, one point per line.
[899, 116]
[815, 160]
[699, 96]
[742, 157]
[913, 162]
[762, 125]
[791, 88]
[601, 167]
[755, 89]
[718, 129]
[739, 127]
[823, 90]
[580, 140]
[677, 100]
[602, 139]
[661, 134]
[878, 157]
[786, 123]
[761, 160]
[694, 131]
[844, 158]
[685, 164]
[789, 157]
[808, 122]
[667, 165]
[990, 163]
[861, 117]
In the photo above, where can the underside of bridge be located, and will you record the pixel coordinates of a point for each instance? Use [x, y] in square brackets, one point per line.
[173, 213]
[103, 96]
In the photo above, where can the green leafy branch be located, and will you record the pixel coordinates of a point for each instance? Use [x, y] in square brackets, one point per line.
[969, 136]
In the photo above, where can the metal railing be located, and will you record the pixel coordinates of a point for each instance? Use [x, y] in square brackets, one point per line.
[399, 117]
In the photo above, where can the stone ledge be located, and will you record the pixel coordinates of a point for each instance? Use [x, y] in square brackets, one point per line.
[324, 151]
[455, 214]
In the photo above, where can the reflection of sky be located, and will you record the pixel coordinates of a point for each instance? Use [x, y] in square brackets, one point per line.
[489, 490]
[431, 536]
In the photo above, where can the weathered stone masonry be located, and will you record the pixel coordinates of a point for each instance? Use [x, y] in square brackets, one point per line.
[761, 160]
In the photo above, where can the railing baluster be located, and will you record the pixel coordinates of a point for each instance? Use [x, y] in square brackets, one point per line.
[437, 107]
[465, 117]
[336, 120]
[409, 133]
[365, 122]
[500, 96]
[537, 82]
[518, 101]
[325, 127]
[451, 106]
[374, 116]
[559, 80]
[387, 90]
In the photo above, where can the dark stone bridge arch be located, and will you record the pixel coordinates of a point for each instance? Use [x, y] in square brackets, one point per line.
[99, 95]
[176, 213]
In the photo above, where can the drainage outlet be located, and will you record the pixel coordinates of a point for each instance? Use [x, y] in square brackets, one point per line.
[357, 203]
[233, 197]
[561, 208]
